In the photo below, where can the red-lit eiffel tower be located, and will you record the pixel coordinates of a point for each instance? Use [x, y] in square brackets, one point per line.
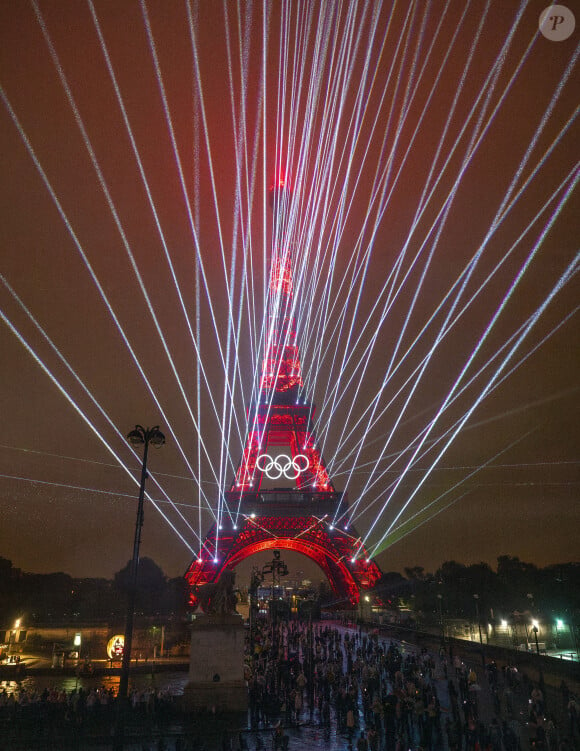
[281, 444]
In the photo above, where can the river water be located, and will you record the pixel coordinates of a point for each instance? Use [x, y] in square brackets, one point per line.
[172, 682]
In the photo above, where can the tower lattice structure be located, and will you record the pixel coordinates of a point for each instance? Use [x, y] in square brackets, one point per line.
[301, 517]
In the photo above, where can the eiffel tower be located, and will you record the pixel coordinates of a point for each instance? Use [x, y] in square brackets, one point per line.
[298, 517]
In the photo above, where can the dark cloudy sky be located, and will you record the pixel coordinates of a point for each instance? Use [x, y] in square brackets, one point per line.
[433, 153]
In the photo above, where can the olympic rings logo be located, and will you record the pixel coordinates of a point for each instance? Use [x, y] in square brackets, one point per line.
[276, 466]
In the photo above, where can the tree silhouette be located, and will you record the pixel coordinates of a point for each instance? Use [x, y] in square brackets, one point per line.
[151, 585]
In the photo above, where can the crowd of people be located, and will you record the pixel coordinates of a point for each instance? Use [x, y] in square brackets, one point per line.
[366, 692]
[381, 696]
[54, 714]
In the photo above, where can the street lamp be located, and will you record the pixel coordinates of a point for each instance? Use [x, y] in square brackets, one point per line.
[13, 636]
[535, 629]
[476, 598]
[137, 437]
[255, 581]
[440, 598]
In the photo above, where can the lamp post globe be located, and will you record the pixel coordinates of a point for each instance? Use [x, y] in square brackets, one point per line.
[140, 435]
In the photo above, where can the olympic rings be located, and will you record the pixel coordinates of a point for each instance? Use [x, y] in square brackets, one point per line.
[275, 467]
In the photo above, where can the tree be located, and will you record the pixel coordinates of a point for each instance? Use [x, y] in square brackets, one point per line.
[390, 587]
[175, 599]
[415, 572]
[518, 579]
[151, 585]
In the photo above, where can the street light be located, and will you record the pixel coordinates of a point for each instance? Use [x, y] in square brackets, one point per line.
[139, 436]
[440, 598]
[13, 636]
[535, 629]
[476, 598]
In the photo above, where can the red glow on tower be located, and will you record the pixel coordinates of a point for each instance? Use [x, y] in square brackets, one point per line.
[281, 276]
[281, 371]
[279, 195]
[281, 435]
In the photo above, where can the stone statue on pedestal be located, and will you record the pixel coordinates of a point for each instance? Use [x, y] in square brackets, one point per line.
[218, 598]
[216, 665]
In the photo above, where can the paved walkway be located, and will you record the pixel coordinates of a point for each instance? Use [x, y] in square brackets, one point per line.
[501, 696]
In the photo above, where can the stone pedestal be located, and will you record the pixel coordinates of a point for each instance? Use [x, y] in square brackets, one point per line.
[216, 664]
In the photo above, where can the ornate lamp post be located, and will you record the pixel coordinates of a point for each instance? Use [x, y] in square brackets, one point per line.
[138, 436]
[256, 580]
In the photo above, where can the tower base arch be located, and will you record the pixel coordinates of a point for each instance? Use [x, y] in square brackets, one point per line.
[337, 550]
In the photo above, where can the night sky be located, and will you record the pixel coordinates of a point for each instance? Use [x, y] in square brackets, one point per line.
[432, 152]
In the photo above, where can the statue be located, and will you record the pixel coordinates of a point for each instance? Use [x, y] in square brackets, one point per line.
[216, 658]
[218, 598]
